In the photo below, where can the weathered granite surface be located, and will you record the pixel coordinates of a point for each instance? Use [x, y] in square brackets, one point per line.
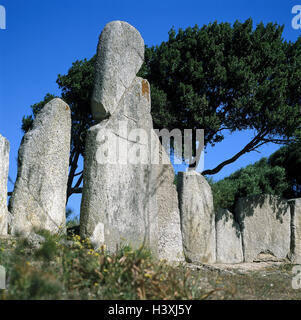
[126, 198]
[170, 243]
[120, 55]
[228, 238]
[39, 197]
[117, 197]
[197, 217]
[4, 165]
[295, 210]
[265, 224]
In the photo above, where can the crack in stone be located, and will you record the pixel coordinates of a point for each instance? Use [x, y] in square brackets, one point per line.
[130, 118]
[136, 142]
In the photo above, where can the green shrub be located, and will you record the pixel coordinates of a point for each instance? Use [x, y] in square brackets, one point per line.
[255, 179]
[61, 269]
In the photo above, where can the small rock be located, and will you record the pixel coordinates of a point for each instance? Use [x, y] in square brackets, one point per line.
[35, 240]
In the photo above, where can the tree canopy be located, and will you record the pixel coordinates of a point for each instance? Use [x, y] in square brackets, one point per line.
[227, 78]
[220, 77]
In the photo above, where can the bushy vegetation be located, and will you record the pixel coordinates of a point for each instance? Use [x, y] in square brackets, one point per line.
[277, 175]
[58, 269]
[289, 158]
[61, 269]
[255, 179]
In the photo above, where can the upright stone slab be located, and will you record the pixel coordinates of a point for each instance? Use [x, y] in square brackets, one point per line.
[197, 217]
[265, 224]
[4, 163]
[120, 56]
[295, 209]
[39, 197]
[130, 201]
[118, 204]
[170, 243]
[127, 199]
[228, 238]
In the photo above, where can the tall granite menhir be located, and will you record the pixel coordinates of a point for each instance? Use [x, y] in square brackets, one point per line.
[39, 197]
[4, 163]
[122, 201]
[116, 202]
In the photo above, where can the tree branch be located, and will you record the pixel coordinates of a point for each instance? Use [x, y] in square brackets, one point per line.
[73, 167]
[279, 141]
[78, 190]
[79, 181]
[76, 187]
[78, 174]
[249, 147]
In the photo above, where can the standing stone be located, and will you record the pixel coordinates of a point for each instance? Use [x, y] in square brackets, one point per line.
[127, 199]
[39, 197]
[295, 209]
[170, 244]
[228, 238]
[197, 217]
[265, 224]
[120, 55]
[118, 204]
[128, 203]
[4, 163]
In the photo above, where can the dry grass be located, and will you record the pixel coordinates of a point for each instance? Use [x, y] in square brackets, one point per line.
[73, 270]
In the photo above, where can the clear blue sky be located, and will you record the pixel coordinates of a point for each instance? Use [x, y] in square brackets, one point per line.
[44, 37]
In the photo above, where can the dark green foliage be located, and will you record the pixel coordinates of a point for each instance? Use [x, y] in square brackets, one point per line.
[280, 174]
[28, 121]
[48, 249]
[176, 179]
[227, 78]
[258, 178]
[289, 158]
[77, 87]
